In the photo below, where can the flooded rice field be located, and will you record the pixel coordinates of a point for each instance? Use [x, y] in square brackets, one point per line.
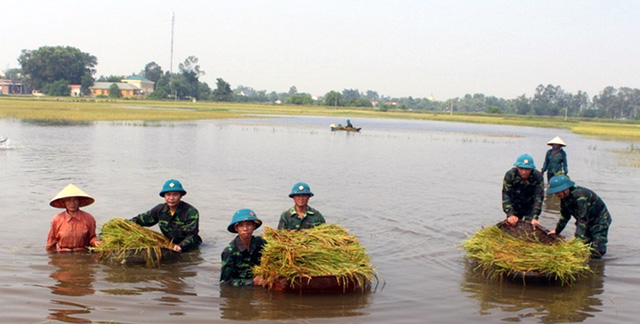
[412, 191]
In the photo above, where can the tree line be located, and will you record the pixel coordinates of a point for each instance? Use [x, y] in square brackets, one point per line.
[52, 69]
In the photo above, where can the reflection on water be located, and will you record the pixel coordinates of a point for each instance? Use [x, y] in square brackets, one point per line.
[169, 277]
[251, 303]
[75, 275]
[549, 303]
[74, 272]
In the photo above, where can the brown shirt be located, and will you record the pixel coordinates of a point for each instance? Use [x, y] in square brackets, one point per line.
[72, 233]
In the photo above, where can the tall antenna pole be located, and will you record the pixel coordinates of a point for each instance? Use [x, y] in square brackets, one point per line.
[173, 18]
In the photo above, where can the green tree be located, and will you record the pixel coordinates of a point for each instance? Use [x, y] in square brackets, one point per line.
[153, 72]
[158, 94]
[222, 92]
[299, 99]
[191, 72]
[57, 88]
[49, 64]
[114, 91]
[333, 98]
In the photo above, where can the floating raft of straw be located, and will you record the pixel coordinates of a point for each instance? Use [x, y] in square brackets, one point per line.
[321, 259]
[521, 253]
[127, 242]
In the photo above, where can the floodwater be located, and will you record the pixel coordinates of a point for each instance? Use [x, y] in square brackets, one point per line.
[412, 191]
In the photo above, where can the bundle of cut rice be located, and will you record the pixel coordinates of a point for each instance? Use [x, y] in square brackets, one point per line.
[123, 241]
[325, 250]
[498, 254]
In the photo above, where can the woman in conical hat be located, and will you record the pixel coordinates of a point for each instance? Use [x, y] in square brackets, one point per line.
[72, 229]
[555, 162]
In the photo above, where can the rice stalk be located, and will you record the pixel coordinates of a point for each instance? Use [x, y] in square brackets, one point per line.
[498, 254]
[325, 250]
[122, 239]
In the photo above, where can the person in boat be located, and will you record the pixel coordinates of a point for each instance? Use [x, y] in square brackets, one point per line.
[243, 252]
[349, 125]
[301, 215]
[589, 210]
[178, 220]
[72, 229]
[523, 192]
[555, 162]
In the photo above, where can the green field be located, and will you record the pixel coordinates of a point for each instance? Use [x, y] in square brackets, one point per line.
[65, 110]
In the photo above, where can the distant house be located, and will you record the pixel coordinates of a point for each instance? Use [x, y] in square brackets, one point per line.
[127, 90]
[145, 85]
[75, 90]
[9, 87]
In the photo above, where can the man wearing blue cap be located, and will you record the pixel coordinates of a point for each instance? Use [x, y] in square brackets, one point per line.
[244, 252]
[589, 210]
[177, 220]
[523, 192]
[301, 215]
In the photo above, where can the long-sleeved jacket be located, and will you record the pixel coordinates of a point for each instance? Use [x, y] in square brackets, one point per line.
[238, 261]
[181, 228]
[555, 163]
[290, 219]
[75, 233]
[588, 209]
[520, 197]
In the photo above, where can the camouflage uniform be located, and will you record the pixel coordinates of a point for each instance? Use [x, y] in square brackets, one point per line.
[238, 261]
[555, 164]
[181, 228]
[290, 219]
[522, 198]
[592, 218]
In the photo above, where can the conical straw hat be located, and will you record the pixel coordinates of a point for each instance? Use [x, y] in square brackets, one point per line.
[556, 140]
[71, 191]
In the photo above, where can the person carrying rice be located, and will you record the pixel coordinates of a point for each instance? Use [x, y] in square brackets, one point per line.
[177, 220]
[243, 252]
[301, 215]
[589, 210]
[523, 192]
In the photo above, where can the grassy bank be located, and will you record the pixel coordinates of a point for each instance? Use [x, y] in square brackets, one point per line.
[86, 110]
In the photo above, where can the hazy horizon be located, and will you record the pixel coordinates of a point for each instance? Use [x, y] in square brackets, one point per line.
[443, 49]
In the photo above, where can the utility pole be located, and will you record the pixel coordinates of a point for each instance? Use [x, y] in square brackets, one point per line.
[173, 18]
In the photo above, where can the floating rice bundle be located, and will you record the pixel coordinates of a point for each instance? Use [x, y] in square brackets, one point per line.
[499, 254]
[123, 240]
[325, 251]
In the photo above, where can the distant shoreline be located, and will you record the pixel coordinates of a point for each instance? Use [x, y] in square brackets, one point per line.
[68, 109]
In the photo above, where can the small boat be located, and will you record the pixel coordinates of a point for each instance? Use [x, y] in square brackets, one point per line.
[318, 284]
[4, 141]
[339, 127]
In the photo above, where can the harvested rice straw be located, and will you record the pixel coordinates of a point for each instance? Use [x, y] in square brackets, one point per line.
[121, 239]
[498, 254]
[319, 251]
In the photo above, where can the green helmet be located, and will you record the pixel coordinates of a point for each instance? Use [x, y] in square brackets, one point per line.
[243, 215]
[301, 188]
[525, 161]
[559, 183]
[172, 185]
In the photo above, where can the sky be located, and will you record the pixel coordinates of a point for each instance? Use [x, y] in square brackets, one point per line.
[439, 49]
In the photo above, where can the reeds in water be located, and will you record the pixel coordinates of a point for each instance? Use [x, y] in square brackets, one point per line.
[121, 239]
[325, 250]
[498, 254]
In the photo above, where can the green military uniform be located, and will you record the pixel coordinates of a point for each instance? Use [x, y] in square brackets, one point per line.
[238, 261]
[520, 197]
[555, 163]
[290, 219]
[181, 228]
[592, 218]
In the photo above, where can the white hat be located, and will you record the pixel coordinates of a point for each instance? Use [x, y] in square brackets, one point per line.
[556, 140]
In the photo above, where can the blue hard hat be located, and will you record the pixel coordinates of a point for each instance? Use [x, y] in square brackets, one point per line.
[243, 215]
[525, 161]
[301, 188]
[559, 183]
[172, 185]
